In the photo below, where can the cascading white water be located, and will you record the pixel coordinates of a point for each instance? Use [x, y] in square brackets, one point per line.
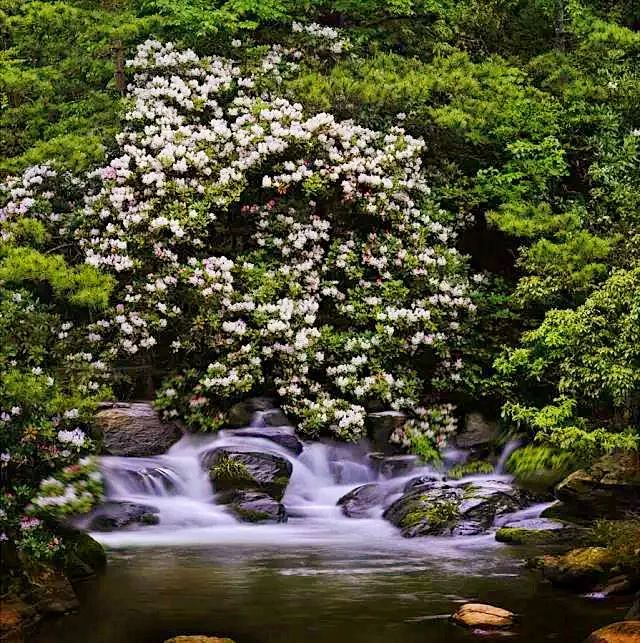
[178, 488]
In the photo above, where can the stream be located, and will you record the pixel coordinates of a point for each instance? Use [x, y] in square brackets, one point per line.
[321, 577]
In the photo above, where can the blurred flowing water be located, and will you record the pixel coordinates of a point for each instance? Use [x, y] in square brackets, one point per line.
[319, 578]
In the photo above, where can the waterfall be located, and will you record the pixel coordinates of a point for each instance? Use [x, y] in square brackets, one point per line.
[177, 489]
[509, 448]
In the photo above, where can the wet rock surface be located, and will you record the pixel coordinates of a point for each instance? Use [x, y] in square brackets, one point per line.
[580, 569]
[380, 426]
[232, 470]
[282, 435]
[543, 532]
[113, 515]
[362, 502]
[134, 430]
[254, 506]
[435, 508]
[247, 412]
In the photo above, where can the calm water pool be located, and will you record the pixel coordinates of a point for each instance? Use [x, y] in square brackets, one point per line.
[313, 593]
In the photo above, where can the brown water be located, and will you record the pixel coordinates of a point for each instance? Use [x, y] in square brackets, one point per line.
[315, 593]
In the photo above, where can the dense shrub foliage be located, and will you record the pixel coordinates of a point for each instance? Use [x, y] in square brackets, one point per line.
[351, 205]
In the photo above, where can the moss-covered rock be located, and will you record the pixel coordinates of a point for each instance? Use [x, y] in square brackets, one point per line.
[610, 488]
[84, 555]
[579, 569]
[231, 470]
[255, 506]
[564, 535]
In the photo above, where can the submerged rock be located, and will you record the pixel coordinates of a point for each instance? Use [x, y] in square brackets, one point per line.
[232, 470]
[134, 430]
[484, 617]
[610, 488]
[362, 501]
[255, 506]
[580, 569]
[113, 515]
[622, 632]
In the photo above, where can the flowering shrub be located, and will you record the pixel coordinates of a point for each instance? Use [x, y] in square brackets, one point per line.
[74, 490]
[50, 380]
[258, 247]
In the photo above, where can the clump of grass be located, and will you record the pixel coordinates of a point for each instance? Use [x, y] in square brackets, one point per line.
[479, 467]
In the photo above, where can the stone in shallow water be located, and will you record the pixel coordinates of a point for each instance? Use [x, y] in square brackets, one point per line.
[117, 515]
[555, 534]
[434, 508]
[232, 470]
[487, 617]
[623, 632]
[254, 506]
[361, 502]
[579, 569]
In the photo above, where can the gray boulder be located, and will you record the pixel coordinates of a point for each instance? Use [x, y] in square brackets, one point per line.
[134, 430]
[243, 414]
[283, 436]
[255, 507]
[362, 501]
[434, 508]
[233, 470]
[477, 431]
[113, 515]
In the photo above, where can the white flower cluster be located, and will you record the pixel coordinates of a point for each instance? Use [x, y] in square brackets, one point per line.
[262, 244]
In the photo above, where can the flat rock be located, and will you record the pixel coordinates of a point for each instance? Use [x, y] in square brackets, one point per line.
[283, 436]
[484, 617]
[622, 632]
[134, 430]
[556, 533]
